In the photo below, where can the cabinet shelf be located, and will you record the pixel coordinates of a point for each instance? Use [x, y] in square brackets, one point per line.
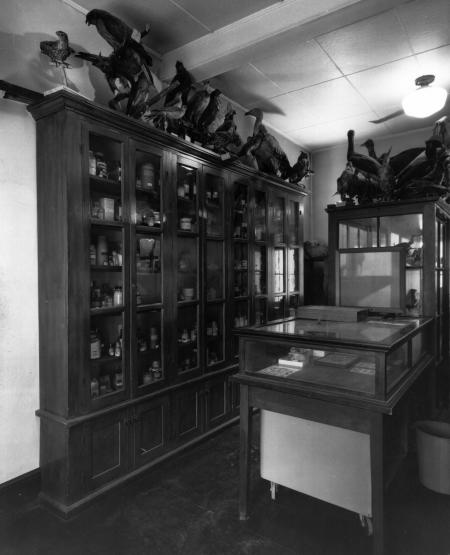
[105, 360]
[106, 223]
[107, 310]
[104, 268]
[148, 306]
[104, 185]
[149, 229]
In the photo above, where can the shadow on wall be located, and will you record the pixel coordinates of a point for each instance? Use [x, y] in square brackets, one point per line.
[23, 64]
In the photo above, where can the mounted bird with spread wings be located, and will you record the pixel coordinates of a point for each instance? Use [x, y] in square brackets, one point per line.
[58, 51]
[127, 69]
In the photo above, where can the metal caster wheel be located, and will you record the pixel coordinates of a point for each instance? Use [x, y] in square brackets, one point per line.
[366, 522]
[273, 490]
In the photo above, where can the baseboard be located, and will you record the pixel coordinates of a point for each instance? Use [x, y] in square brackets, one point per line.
[22, 480]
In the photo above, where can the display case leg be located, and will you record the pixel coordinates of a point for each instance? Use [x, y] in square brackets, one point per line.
[273, 490]
[245, 453]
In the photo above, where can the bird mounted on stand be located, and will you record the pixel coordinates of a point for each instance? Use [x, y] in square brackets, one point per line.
[58, 51]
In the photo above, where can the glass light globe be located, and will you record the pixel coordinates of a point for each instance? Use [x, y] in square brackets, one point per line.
[424, 102]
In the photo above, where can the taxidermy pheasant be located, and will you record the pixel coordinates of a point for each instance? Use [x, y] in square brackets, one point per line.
[184, 82]
[58, 51]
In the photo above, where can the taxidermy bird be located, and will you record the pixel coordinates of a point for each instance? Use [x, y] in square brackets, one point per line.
[117, 33]
[246, 154]
[300, 169]
[270, 156]
[163, 117]
[184, 82]
[360, 161]
[214, 114]
[197, 105]
[58, 51]
[226, 138]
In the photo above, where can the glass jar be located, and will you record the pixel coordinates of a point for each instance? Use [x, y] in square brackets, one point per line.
[101, 167]
[118, 296]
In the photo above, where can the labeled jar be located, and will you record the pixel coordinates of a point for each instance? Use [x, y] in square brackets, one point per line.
[153, 338]
[92, 163]
[186, 224]
[95, 388]
[102, 251]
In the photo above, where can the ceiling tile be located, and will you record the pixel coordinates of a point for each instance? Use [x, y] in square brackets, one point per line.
[325, 102]
[427, 23]
[220, 13]
[383, 87]
[368, 43]
[170, 27]
[297, 65]
[332, 133]
[246, 85]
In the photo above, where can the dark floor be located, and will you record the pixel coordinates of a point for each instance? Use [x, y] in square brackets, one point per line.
[188, 506]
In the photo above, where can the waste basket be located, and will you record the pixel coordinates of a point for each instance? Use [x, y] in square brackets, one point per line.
[433, 449]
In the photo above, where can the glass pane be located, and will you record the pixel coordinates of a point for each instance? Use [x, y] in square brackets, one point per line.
[402, 229]
[349, 370]
[278, 308]
[277, 222]
[148, 190]
[215, 188]
[187, 265]
[293, 270]
[260, 273]
[293, 231]
[148, 269]
[240, 270]
[187, 209]
[358, 234]
[150, 367]
[214, 334]
[260, 216]
[214, 270]
[371, 279]
[187, 334]
[106, 355]
[105, 160]
[413, 303]
[294, 302]
[278, 270]
[240, 211]
[396, 365]
[260, 310]
[240, 319]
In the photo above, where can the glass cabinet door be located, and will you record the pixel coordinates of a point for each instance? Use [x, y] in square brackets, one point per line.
[277, 309]
[277, 223]
[214, 322]
[240, 250]
[294, 240]
[109, 287]
[187, 278]
[148, 239]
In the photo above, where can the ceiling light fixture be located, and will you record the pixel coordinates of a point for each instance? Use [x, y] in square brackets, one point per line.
[425, 100]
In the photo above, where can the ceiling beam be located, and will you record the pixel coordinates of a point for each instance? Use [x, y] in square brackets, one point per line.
[232, 45]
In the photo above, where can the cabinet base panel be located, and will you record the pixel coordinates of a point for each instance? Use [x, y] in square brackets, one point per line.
[68, 511]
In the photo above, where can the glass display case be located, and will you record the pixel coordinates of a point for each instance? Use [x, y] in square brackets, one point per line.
[414, 278]
[370, 358]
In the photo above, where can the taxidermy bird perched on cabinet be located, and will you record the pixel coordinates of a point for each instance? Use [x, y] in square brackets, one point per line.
[270, 156]
[128, 67]
[58, 51]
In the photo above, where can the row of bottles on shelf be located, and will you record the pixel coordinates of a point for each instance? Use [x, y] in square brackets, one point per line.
[105, 253]
[187, 190]
[104, 384]
[188, 336]
[153, 373]
[100, 347]
[106, 208]
[148, 341]
[99, 166]
[106, 296]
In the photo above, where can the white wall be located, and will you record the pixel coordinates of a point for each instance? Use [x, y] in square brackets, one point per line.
[19, 363]
[329, 163]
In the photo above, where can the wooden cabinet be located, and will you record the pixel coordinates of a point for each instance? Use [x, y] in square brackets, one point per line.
[151, 253]
[403, 249]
